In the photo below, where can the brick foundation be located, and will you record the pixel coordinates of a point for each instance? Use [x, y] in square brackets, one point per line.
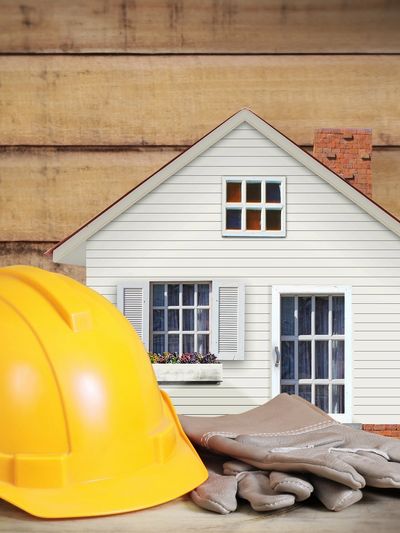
[388, 430]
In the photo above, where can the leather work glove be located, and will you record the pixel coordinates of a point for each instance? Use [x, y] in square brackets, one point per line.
[265, 491]
[288, 434]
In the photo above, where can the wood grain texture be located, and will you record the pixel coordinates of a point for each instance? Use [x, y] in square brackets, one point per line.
[377, 507]
[32, 253]
[47, 193]
[107, 100]
[176, 26]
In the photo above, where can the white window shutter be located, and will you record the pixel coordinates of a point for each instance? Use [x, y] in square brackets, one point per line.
[133, 302]
[228, 319]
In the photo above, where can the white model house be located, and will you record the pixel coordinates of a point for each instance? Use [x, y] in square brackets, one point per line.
[249, 247]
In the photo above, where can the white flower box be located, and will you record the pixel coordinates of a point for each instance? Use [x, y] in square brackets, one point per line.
[188, 372]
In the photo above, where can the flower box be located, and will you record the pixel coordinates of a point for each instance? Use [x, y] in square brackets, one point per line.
[188, 372]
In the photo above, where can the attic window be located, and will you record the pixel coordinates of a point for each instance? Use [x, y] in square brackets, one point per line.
[254, 207]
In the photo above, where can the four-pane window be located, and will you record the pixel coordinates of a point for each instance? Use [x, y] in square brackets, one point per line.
[254, 206]
[180, 317]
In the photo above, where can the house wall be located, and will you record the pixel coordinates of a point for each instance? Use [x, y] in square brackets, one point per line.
[175, 232]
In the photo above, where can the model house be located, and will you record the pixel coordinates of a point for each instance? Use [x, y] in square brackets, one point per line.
[277, 261]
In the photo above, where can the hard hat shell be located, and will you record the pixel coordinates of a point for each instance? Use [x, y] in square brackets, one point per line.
[84, 428]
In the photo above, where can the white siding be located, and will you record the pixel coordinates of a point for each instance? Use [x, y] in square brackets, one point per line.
[175, 232]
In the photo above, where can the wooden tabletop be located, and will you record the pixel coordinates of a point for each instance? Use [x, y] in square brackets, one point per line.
[378, 509]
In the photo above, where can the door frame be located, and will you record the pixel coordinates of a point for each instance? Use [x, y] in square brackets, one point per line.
[295, 290]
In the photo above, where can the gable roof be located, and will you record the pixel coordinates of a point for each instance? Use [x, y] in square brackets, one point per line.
[72, 248]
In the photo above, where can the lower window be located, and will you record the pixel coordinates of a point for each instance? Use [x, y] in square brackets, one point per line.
[180, 317]
[312, 349]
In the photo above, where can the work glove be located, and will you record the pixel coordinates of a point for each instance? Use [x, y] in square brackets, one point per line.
[265, 491]
[288, 434]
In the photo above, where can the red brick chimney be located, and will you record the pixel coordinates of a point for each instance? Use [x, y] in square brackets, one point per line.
[347, 152]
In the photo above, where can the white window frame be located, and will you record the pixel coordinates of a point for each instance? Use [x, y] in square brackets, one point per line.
[277, 292]
[180, 308]
[263, 206]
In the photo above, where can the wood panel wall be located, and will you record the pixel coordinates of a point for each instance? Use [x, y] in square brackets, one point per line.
[97, 94]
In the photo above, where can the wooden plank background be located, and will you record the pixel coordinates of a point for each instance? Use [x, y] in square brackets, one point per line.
[96, 95]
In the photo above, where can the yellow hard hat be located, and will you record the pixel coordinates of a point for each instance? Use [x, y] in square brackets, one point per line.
[84, 428]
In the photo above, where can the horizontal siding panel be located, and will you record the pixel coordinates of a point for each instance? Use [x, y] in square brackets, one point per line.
[215, 391]
[215, 225]
[317, 235]
[373, 335]
[233, 271]
[93, 281]
[246, 245]
[254, 264]
[380, 364]
[381, 418]
[378, 410]
[377, 393]
[379, 346]
[223, 401]
[238, 253]
[211, 410]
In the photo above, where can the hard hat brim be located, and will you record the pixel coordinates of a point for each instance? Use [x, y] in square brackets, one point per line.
[152, 485]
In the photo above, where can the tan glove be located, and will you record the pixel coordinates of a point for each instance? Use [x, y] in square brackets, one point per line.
[264, 491]
[288, 434]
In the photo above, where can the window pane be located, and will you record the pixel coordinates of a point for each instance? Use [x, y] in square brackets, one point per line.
[337, 359]
[253, 219]
[337, 398]
[273, 219]
[158, 320]
[233, 219]
[202, 343]
[158, 343]
[304, 315]
[188, 295]
[188, 343]
[273, 193]
[287, 367]
[234, 191]
[322, 315]
[202, 320]
[158, 295]
[338, 315]
[173, 343]
[321, 397]
[305, 392]
[304, 359]
[188, 319]
[173, 319]
[253, 192]
[173, 294]
[287, 315]
[203, 294]
[321, 359]
[289, 389]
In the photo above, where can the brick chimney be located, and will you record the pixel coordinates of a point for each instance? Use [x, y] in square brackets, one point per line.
[347, 152]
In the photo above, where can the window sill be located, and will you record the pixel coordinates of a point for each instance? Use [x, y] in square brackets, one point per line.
[188, 372]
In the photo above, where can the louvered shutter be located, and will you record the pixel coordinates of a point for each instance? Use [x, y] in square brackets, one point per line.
[228, 319]
[133, 302]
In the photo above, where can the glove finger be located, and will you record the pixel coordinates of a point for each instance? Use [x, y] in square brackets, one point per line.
[334, 496]
[217, 493]
[319, 462]
[231, 468]
[377, 471]
[255, 488]
[296, 485]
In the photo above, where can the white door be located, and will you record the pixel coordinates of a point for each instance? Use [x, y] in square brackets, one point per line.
[311, 344]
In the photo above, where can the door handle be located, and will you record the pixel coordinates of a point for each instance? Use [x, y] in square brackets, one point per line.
[277, 356]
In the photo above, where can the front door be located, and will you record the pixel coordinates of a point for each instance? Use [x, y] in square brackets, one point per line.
[309, 347]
